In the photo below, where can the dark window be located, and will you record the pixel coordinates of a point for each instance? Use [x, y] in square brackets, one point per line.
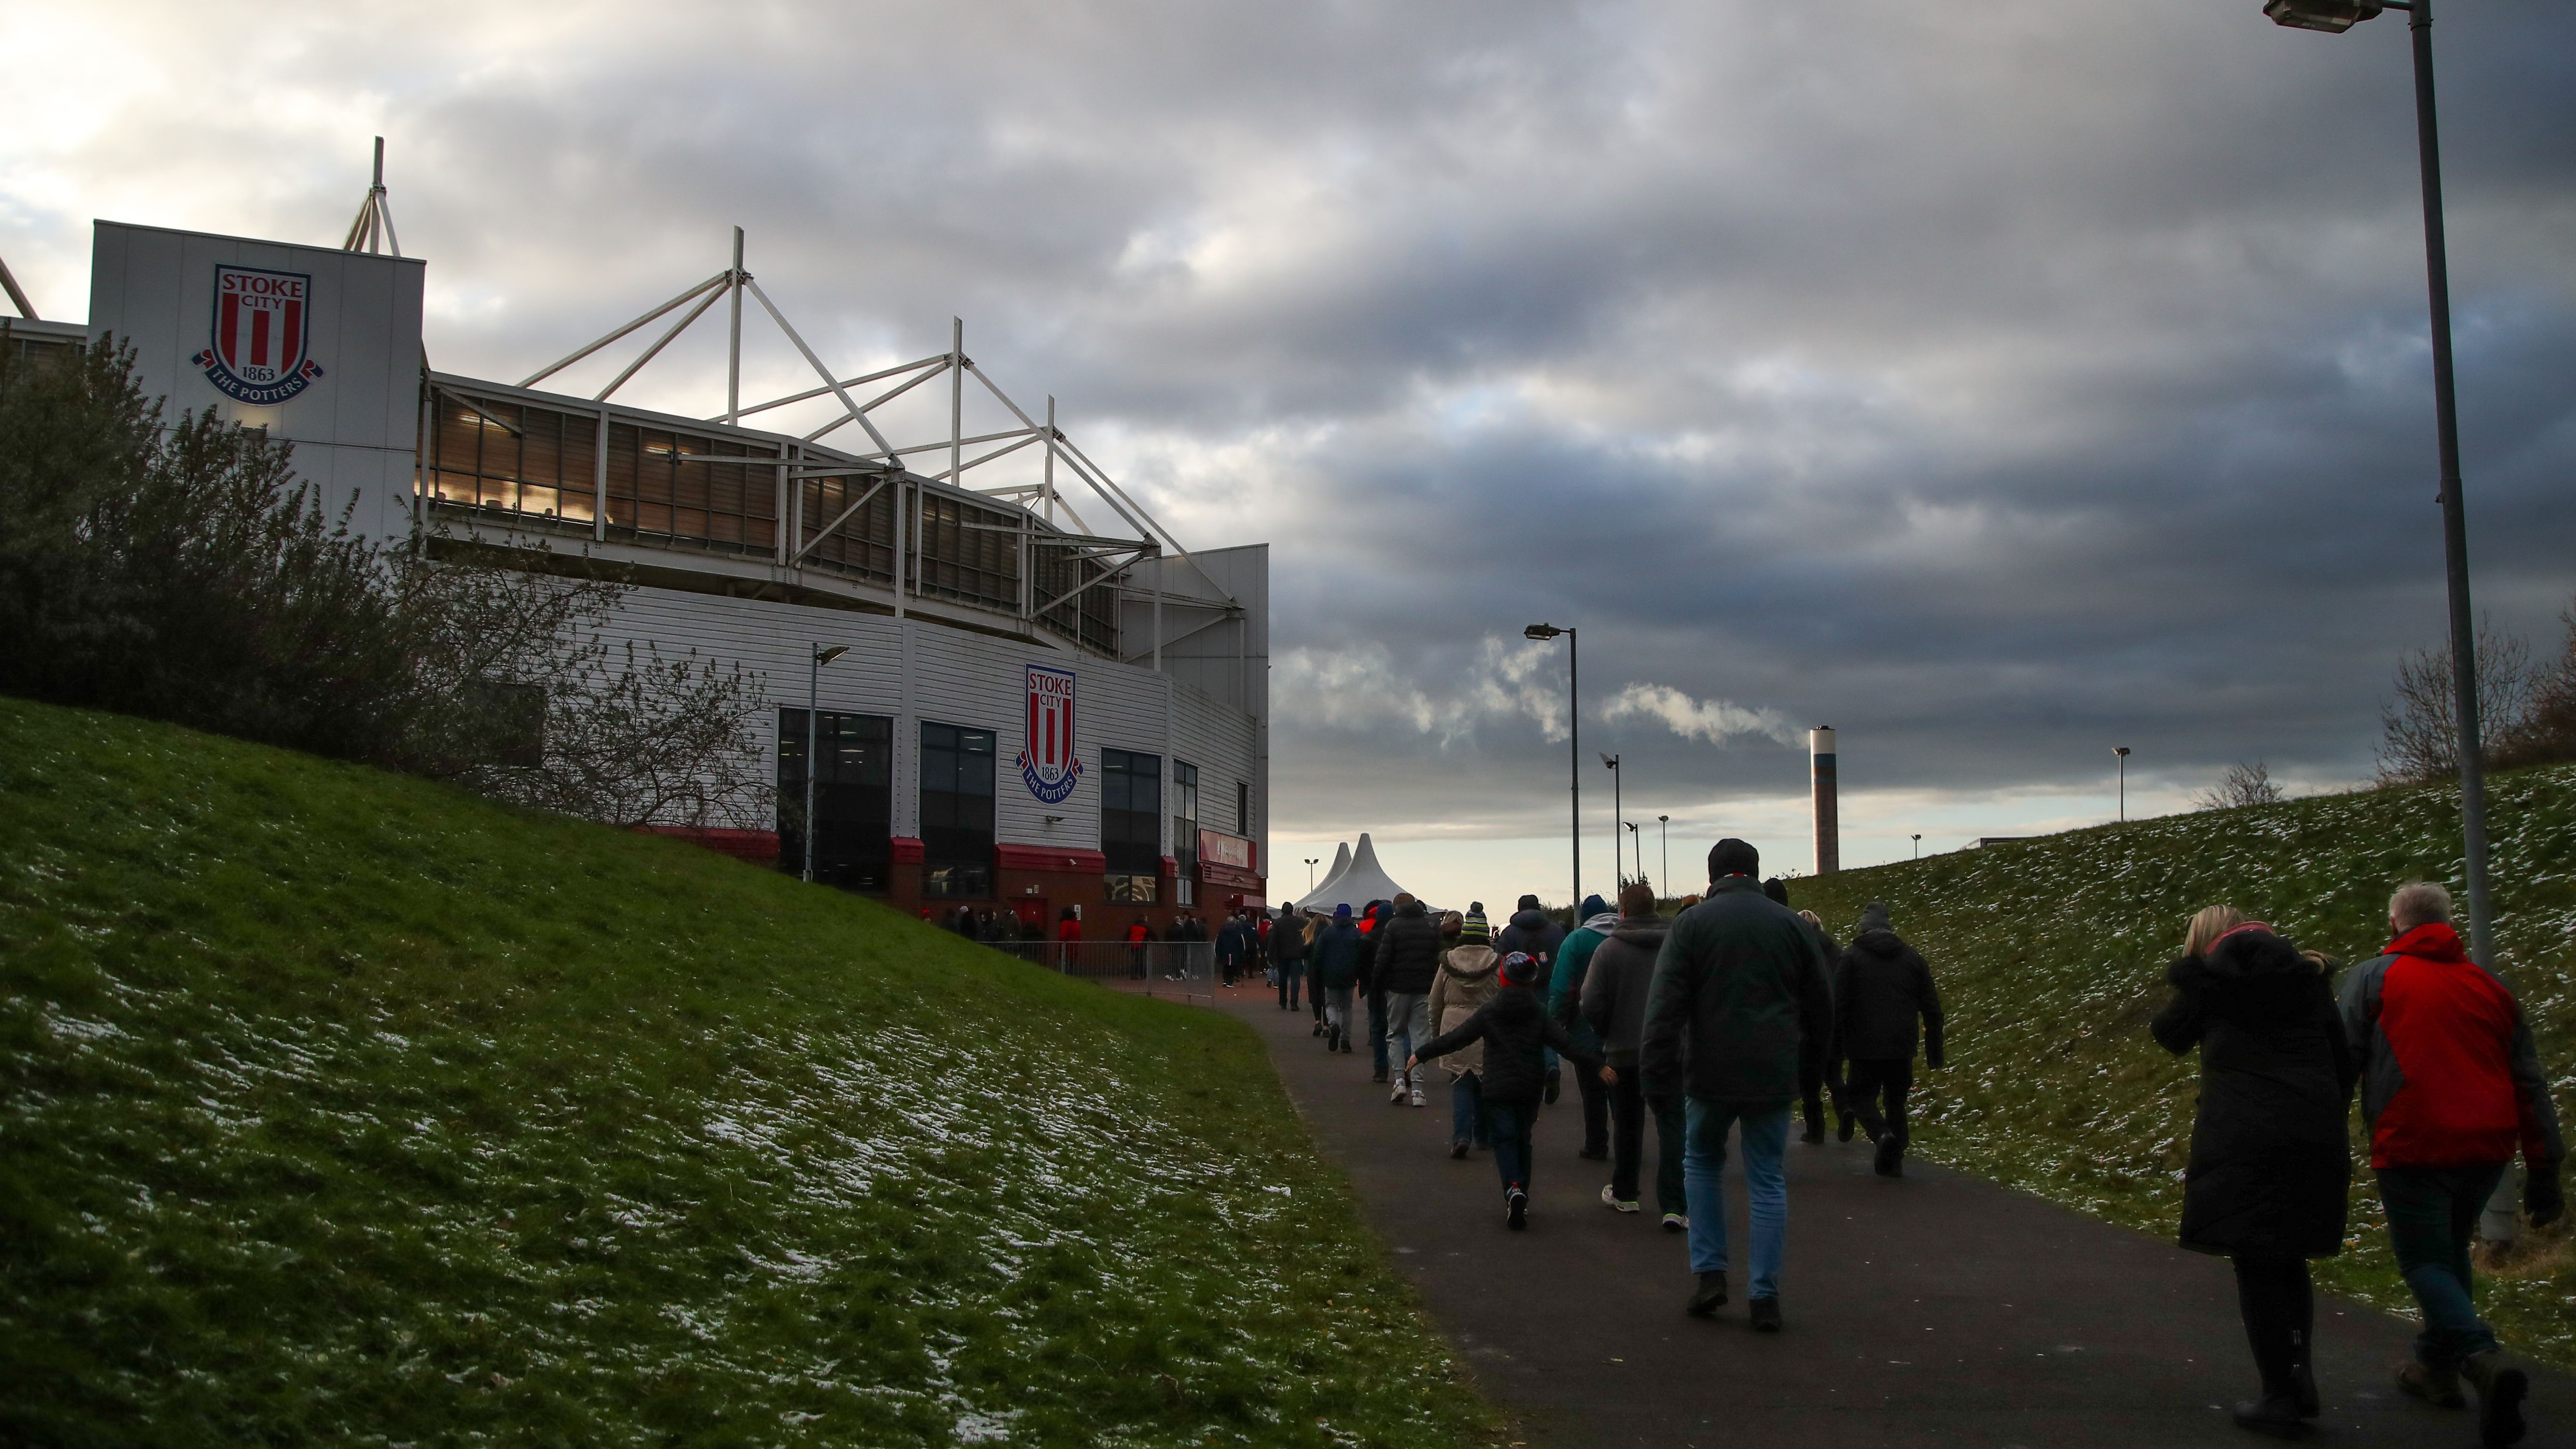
[1243, 809]
[956, 812]
[1131, 820]
[853, 797]
[1185, 830]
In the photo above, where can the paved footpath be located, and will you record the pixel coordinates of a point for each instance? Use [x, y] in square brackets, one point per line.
[1934, 1309]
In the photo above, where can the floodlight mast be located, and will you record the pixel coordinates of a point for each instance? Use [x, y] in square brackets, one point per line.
[2335, 17]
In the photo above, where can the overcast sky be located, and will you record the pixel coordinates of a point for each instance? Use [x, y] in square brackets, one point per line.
[1996, 383]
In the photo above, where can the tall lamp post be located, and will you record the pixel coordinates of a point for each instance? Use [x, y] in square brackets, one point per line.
[1666, 822]
[2335, 17]
[1918, 845]
[1637, 845]
[814, 766]
[2123, 752]
[1310, 875]
[1574, 746]
[1618, 817]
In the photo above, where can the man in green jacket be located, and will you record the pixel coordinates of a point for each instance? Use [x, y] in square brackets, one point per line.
[1738, 994]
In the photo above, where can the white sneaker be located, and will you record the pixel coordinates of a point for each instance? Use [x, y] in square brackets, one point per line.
[1676, 1223]
[1614, 1202]
[1396, 1098]
[1417, 1096]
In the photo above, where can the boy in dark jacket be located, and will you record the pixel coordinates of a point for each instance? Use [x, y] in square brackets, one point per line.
[1881, 990]
[1517, 1032]
[1335, 959]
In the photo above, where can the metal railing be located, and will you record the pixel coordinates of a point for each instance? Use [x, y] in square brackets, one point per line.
[1157, 968]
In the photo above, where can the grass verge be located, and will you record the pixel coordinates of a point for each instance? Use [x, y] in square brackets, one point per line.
[2051, 956]
[341, 1106]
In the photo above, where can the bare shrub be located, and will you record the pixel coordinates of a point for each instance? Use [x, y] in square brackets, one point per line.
[2548, 734]
[2419, 734]
[2243, 784]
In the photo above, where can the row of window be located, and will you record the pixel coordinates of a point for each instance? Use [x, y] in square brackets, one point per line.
[852, 793]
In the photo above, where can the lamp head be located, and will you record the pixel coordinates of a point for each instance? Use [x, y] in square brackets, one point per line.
[1543, 632]
[1609, 762]
[826, 656]
[2121, 750]
[2332, 16]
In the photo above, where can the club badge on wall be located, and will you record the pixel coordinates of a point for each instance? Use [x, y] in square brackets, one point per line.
[1048, 762]
[263, 327]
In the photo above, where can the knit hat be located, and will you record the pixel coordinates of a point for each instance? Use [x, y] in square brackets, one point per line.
[1873, 917]
[1519, 968]
[1475, 930]
[1593, 905]
[1342, 912]
[1529, 903]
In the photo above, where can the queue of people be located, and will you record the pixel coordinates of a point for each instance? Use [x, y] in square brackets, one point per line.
[1719, 1026]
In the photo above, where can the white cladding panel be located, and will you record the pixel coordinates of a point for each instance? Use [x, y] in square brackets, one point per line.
[356, 427]
[958, 678]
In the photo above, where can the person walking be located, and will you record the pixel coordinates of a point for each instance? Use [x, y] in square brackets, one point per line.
[1737, 994]
[1614, 1006]
[1515, 1032]
[2270, 1162]
[1468, 978]
[2451, 1085]
[1137, 934]
[1882, 988]
[1233, 948]
[1408, 958]
[1371, 920]
[1068, 937]
[1827, 1078]
[1333, 958]
[1565, 1003]
[1288, 956]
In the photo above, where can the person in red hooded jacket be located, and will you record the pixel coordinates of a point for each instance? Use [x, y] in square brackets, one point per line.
[2451, 1086]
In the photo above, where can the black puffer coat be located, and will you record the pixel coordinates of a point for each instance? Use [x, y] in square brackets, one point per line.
[1514, 1026]
[2270, 1163]
[1408, 951]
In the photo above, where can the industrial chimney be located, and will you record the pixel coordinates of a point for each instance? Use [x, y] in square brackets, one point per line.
[1829, 850]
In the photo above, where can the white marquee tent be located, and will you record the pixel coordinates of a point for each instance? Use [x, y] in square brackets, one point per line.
[1357, 879]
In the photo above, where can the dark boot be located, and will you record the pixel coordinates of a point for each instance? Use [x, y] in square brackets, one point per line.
[1890, 1158]
[2501, 1385]
[1765, 1315]
[2438, 1387]
[1843, 1125]
[1708, 1297]
[2276, 1414]
[2303, 1375]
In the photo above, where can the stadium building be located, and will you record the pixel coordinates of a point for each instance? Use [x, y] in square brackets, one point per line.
[1028, 712]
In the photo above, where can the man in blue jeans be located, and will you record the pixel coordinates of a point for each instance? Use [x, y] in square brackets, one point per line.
[1739, 992]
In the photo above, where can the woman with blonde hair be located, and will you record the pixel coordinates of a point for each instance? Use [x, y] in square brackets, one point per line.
[2270, 1162]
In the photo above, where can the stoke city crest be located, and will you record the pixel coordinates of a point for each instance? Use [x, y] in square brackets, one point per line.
[260, 350]
[1048, 762]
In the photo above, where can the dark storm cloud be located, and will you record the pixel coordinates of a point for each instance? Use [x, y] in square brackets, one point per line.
[1987, 384]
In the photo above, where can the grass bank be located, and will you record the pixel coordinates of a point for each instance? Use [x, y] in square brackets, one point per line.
[2051, 956]
[336, 1106]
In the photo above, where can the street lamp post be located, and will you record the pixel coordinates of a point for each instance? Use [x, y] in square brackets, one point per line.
[1618, 817]
[1666, 822]
[2337, 16]
[2123, 752]
[1310, 875]
[1637, 845]
[1918, 845]
[1574, 746]
[813, 708]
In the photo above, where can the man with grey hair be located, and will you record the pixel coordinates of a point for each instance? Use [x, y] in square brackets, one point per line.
[2451, 1085]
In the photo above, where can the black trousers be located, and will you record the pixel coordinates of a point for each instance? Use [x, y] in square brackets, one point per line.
[2279, 1309]
[1629, 1113]
[1596, 1108]
[1877, 1093]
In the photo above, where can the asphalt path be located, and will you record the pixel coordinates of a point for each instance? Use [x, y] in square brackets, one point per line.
[1931, 1309]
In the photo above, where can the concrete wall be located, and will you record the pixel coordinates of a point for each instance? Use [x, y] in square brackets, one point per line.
[355, 427]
